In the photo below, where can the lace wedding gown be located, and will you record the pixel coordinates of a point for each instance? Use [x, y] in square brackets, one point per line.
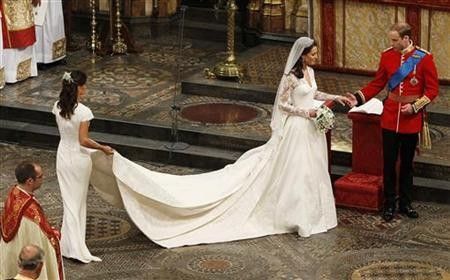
[282, 186]
[73, 169]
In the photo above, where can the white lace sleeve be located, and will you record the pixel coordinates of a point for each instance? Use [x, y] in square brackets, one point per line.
[320, 95]
[286, 105]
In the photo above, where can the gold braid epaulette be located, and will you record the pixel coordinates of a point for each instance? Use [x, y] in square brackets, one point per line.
[425, 51]
[420, 103]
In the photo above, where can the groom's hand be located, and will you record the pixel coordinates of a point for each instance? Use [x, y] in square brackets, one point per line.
[407, 109]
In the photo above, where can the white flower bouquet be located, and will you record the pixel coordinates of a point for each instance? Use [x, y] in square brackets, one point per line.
[324, 120]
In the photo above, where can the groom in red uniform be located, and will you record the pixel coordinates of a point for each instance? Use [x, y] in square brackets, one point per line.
[412, 80]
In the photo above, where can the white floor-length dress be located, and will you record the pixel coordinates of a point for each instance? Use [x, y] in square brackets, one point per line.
[73, 168]
[282, 186]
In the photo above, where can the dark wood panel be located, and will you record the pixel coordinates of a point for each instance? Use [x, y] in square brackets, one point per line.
[328, 26]
[413, 18]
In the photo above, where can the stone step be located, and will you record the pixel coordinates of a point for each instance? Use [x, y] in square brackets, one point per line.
[141, 149]
[210, 15]
[42, 116]
[198, 85]
[211, 31]
[135, 148]
[15, 118]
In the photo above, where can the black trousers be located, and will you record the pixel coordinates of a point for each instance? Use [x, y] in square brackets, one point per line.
[393, 144]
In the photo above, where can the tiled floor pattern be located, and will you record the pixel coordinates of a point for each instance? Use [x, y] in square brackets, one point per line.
[361, 247]
[140, 87]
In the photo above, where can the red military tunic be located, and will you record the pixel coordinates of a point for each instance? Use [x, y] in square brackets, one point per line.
[426, 88]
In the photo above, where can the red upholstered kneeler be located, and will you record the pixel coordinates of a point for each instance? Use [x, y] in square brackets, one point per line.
[359, 190]
[363, 187]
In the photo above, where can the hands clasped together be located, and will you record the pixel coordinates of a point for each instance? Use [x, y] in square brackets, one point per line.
[405, 109]
[343, 100]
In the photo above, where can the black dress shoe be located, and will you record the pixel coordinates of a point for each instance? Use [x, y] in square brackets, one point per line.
[409, 212]
[388, 214]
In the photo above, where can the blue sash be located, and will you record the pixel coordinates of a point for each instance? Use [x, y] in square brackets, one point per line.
[405, 69]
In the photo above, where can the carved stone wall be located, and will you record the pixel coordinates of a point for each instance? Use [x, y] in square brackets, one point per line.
[133, 8]
[278, 16]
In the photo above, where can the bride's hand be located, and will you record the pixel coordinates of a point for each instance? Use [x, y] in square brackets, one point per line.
[107, 150]
[312, 113]
[343, 100]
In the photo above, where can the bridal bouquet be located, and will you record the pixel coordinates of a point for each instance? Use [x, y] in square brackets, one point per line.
[324, 119]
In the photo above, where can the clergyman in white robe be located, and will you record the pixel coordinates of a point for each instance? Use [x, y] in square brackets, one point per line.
[50, 37]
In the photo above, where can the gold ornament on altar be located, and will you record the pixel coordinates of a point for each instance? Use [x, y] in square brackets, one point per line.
[119, 47]
[95, 44]
[228, 69]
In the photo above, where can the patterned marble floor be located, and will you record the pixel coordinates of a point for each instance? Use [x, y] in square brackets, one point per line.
[140, 87]
[361, 247]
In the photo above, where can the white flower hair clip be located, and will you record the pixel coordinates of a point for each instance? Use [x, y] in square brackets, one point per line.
[67, 77]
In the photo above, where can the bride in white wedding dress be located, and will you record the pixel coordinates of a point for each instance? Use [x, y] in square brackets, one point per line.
[280, 187]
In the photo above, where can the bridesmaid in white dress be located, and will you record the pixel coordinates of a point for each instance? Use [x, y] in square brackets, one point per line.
[73, 165]
[282, 186]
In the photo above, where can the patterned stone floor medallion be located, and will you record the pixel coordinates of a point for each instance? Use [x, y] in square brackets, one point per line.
[377, 264]
[104, 227]
[220, 113]
[434, 232]
[204, 263]
[128, 77]
[399, 270]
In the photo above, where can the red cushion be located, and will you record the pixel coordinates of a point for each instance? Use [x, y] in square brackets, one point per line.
[359, 190]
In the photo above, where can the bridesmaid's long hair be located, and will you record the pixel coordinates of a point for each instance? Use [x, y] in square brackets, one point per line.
[68, 97]
[298, 67]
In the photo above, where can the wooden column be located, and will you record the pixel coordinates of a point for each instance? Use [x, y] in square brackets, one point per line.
[413, 18]
[254, 13]
[273, 16]
[328, 26]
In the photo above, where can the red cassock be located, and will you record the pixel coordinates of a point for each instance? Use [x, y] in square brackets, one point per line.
[423, 84]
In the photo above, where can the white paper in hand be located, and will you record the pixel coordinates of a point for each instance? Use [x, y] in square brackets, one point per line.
[373, 106]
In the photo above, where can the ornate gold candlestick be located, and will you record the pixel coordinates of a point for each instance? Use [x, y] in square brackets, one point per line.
[228, 69]
[119, 47]
[95, 43]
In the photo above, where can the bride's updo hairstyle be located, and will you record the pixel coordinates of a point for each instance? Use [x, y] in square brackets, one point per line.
[297, 70]
[68, 97]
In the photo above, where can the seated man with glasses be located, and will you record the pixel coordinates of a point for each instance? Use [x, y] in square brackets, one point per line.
[23, 222]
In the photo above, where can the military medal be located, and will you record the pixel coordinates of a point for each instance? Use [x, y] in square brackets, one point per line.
[414, 80]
